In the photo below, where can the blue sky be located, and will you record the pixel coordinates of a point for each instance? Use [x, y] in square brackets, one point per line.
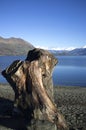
[45, 23]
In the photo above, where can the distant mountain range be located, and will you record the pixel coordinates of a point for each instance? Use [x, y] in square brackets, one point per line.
[74, 52]
[18, 46]
[14, 46]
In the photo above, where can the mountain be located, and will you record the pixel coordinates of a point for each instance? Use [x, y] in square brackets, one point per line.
[74, 52]
[78, 51]
[59, 52]
[14, 46]
[18, 46]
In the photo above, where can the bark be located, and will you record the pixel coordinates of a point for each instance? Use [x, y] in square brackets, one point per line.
[32, 83]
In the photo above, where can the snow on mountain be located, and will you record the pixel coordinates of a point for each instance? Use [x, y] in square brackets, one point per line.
[57, 48]
[70, 51]
[84, 46]
[63, 49]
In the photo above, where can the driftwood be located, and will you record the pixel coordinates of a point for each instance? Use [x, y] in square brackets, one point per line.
[32, 83]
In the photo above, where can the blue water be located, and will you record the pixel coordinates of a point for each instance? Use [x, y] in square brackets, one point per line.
[5, 61]
[70, 70]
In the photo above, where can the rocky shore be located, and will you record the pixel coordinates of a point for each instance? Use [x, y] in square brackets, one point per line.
[71, 101]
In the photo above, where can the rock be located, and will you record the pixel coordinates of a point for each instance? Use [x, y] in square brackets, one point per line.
[32, 83]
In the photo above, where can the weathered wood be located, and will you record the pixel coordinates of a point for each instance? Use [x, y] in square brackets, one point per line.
[32, 82]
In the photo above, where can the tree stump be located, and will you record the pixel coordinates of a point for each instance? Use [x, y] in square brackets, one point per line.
[32, 83]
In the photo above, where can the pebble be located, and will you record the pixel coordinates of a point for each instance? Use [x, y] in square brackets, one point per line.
[72, 103]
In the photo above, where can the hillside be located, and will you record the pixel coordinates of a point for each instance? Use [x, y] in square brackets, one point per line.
[18, 46]
[14, 46]
[74, 52]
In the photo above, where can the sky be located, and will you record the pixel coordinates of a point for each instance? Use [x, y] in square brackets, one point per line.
[45, 23]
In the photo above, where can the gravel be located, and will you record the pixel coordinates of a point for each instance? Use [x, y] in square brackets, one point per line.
[71, 101]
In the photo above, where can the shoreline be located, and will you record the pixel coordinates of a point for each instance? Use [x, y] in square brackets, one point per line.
[71, 102]
[55, 86]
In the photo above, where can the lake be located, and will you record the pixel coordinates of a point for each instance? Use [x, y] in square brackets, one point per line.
[70, 70]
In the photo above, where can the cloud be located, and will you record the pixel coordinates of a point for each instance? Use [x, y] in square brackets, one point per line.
[68, 49]
[84, 46]
[42, 47]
